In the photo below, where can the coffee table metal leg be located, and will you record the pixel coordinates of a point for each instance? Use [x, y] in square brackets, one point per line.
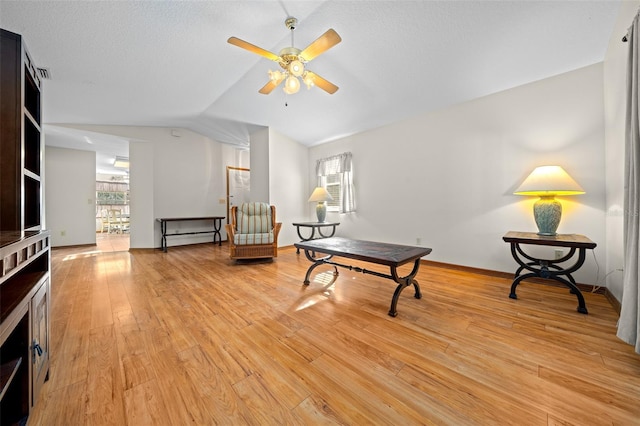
[316, 262]
[402, 283]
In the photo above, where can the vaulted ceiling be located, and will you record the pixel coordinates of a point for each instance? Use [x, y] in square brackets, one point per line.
[168, 63]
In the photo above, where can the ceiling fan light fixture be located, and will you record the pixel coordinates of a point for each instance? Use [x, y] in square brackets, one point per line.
[291, 85]
[308, 80]
[296, 68]
[276, 76]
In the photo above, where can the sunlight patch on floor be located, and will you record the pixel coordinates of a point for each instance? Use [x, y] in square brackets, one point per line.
[319, 295]
[81, 255]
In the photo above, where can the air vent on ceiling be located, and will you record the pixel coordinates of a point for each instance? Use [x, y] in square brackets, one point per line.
[44, 73]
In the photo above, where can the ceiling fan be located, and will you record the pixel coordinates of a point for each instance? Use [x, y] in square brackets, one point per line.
[293, 61]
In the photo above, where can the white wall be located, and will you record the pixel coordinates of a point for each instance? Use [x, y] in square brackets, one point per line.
[615, 71]
[70, 193]
[142, 226]
[288, 162]
[447, 177]
[260, 166]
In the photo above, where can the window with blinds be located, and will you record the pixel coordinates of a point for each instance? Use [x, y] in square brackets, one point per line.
[332, 184]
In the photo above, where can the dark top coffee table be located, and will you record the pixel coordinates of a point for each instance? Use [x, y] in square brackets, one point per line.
[391, 255]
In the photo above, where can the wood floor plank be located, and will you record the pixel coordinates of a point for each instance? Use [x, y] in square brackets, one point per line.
[191, 337]
[144, 405]
[264, 407]
[216, 391]
[105, 399]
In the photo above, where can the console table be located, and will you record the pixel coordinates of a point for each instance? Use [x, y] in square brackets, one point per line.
[314, 226]
[545, 268]
[391, 255]
[217, 224]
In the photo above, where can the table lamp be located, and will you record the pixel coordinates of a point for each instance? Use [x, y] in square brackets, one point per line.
[321, 195]
[546, 182]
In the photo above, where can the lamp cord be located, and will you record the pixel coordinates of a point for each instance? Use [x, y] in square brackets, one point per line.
[597, 286]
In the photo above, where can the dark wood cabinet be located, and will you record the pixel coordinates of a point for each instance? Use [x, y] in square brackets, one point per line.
[22, 142]
[25, 259]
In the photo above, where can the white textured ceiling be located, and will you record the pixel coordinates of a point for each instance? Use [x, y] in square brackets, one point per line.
[167, 63]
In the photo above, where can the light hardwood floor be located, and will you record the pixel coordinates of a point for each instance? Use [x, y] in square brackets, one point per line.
[188, 337]
[106, 243]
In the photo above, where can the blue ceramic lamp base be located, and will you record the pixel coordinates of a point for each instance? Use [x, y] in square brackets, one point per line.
[321, 211]
[547, 212]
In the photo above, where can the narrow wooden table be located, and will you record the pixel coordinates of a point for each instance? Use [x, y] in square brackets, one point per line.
[391, 255]
[546, 268]
[314, 226]
[217, 224]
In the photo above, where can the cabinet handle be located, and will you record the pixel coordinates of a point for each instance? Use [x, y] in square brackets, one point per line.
[37, 348]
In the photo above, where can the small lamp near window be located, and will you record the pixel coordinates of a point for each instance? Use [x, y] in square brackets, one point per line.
[320, 195]
[546, 182]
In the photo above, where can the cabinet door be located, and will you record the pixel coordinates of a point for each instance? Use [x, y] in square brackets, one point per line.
[40, 338]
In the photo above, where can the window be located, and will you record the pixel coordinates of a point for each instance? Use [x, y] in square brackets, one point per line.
[332, 184]
[111, 198]
[112, 194]
[335, 174]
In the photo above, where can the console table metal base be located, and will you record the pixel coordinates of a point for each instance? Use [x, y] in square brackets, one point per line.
[217, 223]
[403, 282]
[549, 269]
[315, 226]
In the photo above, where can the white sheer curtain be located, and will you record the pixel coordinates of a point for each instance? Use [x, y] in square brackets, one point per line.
[341, 165]
[629, 324]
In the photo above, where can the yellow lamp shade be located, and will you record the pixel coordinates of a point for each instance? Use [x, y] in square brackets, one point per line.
[549, 180]
[320, 194]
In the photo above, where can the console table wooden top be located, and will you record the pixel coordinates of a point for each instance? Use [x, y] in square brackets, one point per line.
[559, 240]
[173, 219]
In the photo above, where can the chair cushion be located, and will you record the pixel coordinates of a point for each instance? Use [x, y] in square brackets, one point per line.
[250, 239]
[254, 218]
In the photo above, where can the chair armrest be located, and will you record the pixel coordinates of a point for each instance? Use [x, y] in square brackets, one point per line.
[276, 231]
[230, 233]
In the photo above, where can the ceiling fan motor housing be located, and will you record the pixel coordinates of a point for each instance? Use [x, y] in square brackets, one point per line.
[291, 23]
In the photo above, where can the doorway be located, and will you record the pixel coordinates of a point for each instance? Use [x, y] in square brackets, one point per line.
[112, 212]
[238, 187]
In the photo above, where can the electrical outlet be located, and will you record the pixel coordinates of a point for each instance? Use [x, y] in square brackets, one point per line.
[418, 241]
[222, 201]
[559, 253]
[63, 233]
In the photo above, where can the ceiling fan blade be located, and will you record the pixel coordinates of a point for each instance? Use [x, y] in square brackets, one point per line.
[253, 48]
[325, 85]
[323, 43]
[267, 88]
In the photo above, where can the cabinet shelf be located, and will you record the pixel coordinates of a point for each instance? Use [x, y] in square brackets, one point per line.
[32, 120]
[31, 175]
[13, 293]
[31, 96]
[7, 374]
